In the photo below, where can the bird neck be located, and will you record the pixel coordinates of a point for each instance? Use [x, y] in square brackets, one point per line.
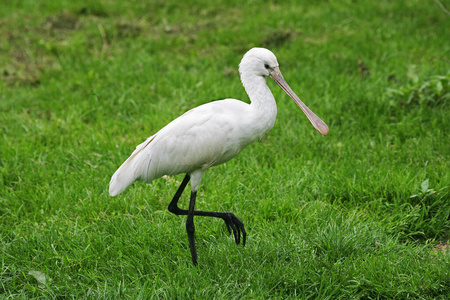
[263, 103]
[258, 91]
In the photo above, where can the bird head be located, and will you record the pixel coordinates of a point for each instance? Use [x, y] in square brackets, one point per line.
[258, 61]
[262, 62]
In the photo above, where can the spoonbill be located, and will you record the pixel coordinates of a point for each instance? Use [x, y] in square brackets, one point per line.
[209, 135]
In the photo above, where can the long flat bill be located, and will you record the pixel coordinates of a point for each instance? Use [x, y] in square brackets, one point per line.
[315, 120]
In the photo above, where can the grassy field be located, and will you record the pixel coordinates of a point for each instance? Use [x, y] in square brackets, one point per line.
[363, 213]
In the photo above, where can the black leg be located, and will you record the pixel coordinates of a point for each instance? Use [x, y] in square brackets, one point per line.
[231, 221]
[190, 228]
[173, 205]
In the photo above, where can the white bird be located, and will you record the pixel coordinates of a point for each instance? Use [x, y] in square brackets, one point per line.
[209, 135]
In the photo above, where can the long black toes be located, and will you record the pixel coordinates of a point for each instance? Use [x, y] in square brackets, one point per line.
[235, 225]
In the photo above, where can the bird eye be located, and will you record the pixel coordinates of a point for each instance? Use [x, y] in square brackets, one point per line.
[266, 66]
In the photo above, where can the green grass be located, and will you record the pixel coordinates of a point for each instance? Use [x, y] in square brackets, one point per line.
[363, 213]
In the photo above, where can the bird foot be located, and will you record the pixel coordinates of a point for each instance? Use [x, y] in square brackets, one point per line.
[235, 225]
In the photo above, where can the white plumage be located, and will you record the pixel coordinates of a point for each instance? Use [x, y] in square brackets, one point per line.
[199, 139]
[212, 133]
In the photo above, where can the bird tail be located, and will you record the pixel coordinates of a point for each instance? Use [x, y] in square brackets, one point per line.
[121, 179]
[131, 170]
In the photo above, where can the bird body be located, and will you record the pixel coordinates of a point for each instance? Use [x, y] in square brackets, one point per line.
[203, 137]
[209, 135]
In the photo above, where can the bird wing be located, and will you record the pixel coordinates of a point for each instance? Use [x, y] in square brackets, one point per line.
[202, 137]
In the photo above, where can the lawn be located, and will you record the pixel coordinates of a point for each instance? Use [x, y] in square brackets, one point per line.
[363, 213]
